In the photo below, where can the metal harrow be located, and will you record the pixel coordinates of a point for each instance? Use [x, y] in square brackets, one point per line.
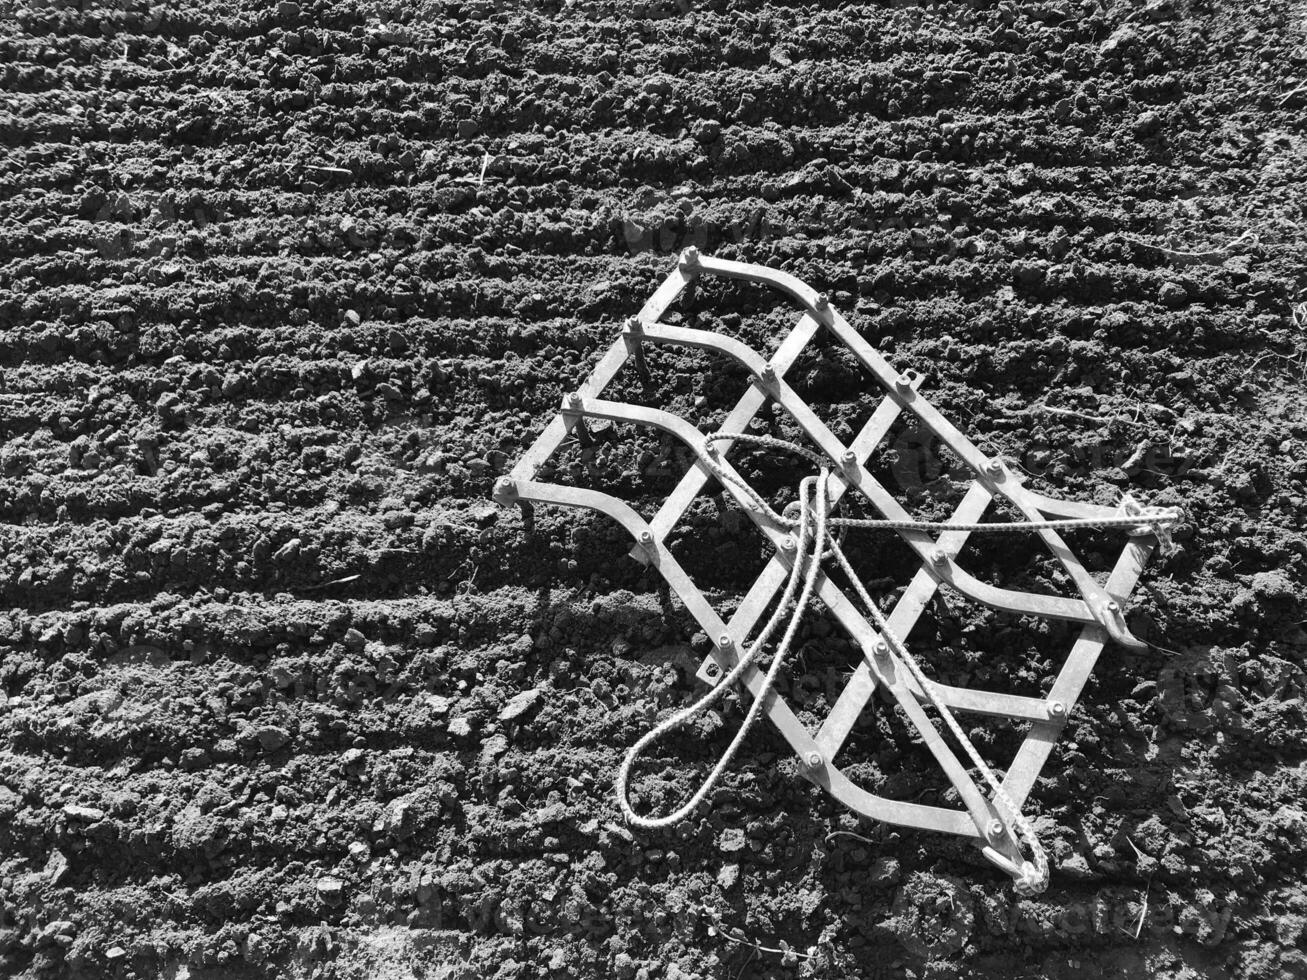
[1098, 609]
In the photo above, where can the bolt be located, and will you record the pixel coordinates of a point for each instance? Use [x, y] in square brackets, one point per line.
[903, 383]
[689, 259]
[1057, 709]
[813, 759]
[574, 400]
[725, 642]
[633, 324]
[768, 374]
[646, 538]
[995, 468]
[823, 301]
[1112, 606]
[994, 830]
[505, 487]
[710, 448]
[848, 460]
[788, 543]
[880, 648]
[937, 556]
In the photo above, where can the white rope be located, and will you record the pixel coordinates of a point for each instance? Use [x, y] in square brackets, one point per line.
[814, 543]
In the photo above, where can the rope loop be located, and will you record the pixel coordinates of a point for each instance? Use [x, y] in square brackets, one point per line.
[811, 525]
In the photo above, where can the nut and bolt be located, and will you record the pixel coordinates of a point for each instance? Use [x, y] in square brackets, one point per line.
[823, 301]
[848, 460]
[505, 487]
[788, 543]
[690, 258]
[725, 642]
[768, 374]
[994, 830]
[646, 538]
[633, 324]
[880, 648]
[904, 384]
[994, 468]
[937, 556]
[1112, 606]
[1057, 709]
[574, 400]
[813, 759]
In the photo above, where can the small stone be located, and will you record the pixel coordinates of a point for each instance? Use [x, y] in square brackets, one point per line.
[359, 851]
[288, 9]
[115, 953]
[271, 737]
[493, 747]
[728, 876]
[1147, 123]
[354, 639]
[519, 705]
[460, 727]
[351, 318]
[731, 840]
[331, 890]
[87, 814]
[1172, 294]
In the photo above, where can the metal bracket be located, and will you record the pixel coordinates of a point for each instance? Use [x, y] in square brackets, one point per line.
[1096, 608]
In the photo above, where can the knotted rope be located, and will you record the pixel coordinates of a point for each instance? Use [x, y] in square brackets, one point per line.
[811, 529]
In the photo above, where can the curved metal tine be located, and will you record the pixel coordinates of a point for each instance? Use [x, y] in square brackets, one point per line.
[830, 594]
[872, 360]
[785, 721]
[1071, 680]
[1058, 607]
[549, 441]
[674, 507]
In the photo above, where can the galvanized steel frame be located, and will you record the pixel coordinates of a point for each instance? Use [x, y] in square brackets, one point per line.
[1098, 609]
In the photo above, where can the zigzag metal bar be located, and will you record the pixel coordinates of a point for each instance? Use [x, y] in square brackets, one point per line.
[886, 666]
[1071, 680]
[968, 823]
[674, 507]
[1059, 607]
[1000, 482]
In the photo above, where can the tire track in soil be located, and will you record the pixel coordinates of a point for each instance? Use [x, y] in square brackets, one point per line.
[267, 337]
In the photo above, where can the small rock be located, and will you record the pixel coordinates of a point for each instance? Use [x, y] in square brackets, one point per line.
[1147, 123]
[331, 890]
[519, 705]
[271, 737]
[728, 876]
[460, 728]
[731, 840]
[87, 814]
[1172, 294]
[359, 851]
[354, 639]
[288, 9]
[115, 953]
[493, 747]
[1123, 37]
[351, 318]
[56, 867]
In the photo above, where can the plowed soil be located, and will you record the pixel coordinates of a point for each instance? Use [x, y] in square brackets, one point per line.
[287, 285]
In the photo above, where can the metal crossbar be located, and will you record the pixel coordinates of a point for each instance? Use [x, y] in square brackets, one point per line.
[1098, 609]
